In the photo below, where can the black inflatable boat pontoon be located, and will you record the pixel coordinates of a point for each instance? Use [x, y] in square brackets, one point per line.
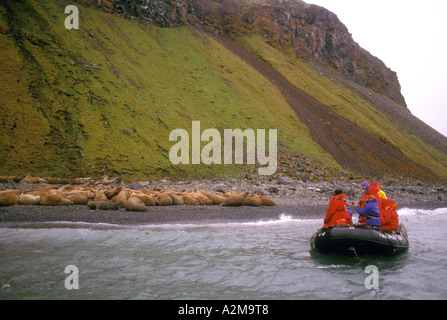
[360, 240]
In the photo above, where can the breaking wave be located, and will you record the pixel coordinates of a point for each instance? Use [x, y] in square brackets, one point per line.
[283, 219]
[421, 212]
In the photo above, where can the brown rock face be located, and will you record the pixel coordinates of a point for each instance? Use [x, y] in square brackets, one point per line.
[310, 30]
[317, 32]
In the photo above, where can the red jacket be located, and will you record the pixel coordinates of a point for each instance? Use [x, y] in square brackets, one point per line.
[388, 217]
[336, 213]
[373, 190]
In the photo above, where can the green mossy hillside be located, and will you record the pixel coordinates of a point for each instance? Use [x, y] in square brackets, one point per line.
[103, 99]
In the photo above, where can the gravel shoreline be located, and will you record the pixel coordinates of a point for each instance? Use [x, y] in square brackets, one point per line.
[297, 199]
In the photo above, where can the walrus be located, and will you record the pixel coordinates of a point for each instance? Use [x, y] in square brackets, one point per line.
[235, 200]
[14, 191]
[135, 204]
[78, 199]
[28, 199]
[190, 201]
[164, 199]
[54, 199]
[146, 199]
[9, 197]
[53, 180]
[217, 199]
[252, 200]
[104, 205]
[100, 195]
[110, 193]
[42, 191]
[30, 179]
[176, 199]
[77, 181]
[267, 201]
[122, 196]
[149, 192]
[9, 179]
[67, 188]
[201, 198]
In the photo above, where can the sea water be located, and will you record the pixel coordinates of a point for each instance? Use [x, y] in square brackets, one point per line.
[236, 260]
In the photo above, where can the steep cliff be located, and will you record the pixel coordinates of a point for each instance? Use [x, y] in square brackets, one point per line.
[309, 29]
[317, 32]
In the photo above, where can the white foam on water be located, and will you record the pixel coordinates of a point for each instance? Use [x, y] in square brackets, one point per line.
[64, 224]
[421, 212]
[283, 219]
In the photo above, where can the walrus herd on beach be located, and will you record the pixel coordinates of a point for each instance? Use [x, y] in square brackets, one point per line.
[78, 192]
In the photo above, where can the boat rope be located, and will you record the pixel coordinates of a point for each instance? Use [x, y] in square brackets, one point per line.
[387, 237]
[355, 252]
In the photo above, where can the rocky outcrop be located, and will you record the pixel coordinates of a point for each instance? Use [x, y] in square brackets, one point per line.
[312, 31]
[318, 33]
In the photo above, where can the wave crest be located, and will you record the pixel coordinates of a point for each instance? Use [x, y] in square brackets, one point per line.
[421, 212]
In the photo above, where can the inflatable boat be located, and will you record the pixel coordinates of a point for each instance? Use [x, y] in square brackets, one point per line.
[360, 240]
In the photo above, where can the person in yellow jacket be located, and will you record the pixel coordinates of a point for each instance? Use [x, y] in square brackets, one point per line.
[380, 193]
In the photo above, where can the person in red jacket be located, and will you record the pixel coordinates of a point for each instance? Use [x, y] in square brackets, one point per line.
[338, 211]
[388, 217]
[374, 191]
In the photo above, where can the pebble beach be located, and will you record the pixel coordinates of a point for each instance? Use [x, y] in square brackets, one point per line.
[294, 198]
